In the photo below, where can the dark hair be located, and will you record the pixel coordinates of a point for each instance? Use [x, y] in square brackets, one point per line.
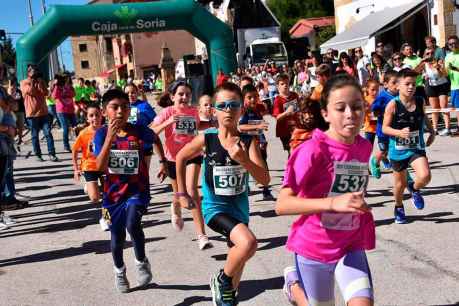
[165, 100]
[453, 37]
[81, 79]
[247, 78]
[172, 89]
[344, 55]
[337, 82]
[131, 85]
[113, 94]
[87, 83]
[323, 70]
[248, 89]
[430, 38]
[407, 73]
[371, 81]
[390, 74]
[93, 105]
[282, 77]
[228, 86]
[313, 108]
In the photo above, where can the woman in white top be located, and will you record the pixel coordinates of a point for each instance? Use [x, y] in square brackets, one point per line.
[437, 89]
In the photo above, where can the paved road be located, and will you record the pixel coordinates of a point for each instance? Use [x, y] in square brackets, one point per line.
[57, 255]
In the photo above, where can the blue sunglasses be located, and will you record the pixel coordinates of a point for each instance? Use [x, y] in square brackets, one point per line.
[232, 105]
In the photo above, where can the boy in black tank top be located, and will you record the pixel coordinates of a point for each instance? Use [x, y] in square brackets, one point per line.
[229, 159]
[404, 121]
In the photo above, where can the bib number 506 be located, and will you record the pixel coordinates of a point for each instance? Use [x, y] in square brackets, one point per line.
[122, 162]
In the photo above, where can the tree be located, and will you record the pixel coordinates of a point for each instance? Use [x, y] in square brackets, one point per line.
[289, 11]
[325, 33]
[8, 52]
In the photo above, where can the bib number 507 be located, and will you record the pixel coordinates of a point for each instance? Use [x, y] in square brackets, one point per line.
[232, 181]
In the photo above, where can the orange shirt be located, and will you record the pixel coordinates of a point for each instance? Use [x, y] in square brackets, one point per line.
[369, 125]
[298, 137]
[84, 144]
[317, 93]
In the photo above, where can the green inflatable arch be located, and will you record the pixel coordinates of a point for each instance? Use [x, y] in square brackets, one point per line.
[61, 21]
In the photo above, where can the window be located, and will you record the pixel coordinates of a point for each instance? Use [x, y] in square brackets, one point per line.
[84, 64]
[83, 47]
[109, 44]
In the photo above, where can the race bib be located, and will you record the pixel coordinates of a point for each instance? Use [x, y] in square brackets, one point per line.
[123, 162]
[349, 177]
[293, 103]
[186, 125]
[412, 142]
[254, 132]
[229, 180]
[133, 115]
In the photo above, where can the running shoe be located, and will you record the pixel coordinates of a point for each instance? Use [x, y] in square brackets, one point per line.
[290, 278]
[3, 226]
[444, 132]
[7, 219]
[39, 158]
[104, 225]
[267, 195]
[176, 218]
[204, 242]
[416, 196]
[222, 294]
[53, 158]
[374, 168]
[121, 281]
[144, 275]
[386, 164]
[399, 213]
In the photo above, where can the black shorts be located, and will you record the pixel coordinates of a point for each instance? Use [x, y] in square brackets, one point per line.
[224, 224]
[436, 91]
[286, 142]
[420, 92]
[148, 152]
[172, 170]
[383, 145]
[401, 165]
[92, 176]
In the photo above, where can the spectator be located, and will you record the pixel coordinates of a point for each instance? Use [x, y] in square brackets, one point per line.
[346, 65]
[16, 94]
[363, 66]
[34, 90]
[397, 62]
[379, 67]
[63, 93]
[452, 67]
[414, 62]
[439, 53]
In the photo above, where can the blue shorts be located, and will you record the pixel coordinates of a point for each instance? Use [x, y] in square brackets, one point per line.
[116, 215]
[455, 98]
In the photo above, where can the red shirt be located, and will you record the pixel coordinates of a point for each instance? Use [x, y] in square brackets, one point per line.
[284, 126]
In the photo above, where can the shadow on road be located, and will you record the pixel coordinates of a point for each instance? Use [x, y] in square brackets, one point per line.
[433, 217]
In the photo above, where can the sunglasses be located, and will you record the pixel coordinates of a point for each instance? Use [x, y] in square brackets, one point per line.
[396, 58]
[358, 51]
[232, 105]
[453, 43]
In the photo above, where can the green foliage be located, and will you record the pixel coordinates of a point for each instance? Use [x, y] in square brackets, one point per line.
[289, 11]
[8, 52]
[325, 34]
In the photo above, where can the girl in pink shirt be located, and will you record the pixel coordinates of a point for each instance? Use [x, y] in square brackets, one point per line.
[180, 123]
[324, 184]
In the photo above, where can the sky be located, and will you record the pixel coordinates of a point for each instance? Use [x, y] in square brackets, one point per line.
[15, 18]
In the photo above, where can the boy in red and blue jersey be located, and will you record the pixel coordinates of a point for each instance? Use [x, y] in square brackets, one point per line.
[119, 148]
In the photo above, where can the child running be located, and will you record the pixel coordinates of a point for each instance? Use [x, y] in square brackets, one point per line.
[252, 123]
[206, 113]
[180, 123]
[230, 157]
[309, 118]
[369, 124]
[404, 121]
[87, 165]
[324, 184]
[378, 108]
[119, 148]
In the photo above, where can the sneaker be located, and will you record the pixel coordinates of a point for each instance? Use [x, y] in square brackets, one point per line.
[67, 150]
[104, 225]
[3, 226]
[121, 281]
[22, 197]
[7, 219]
[267, 195]
[53, 158]
[204, 242]
[374, 168]
[85, 189]
[290, 278]
[176, 218]
[39, 158]
[409, 179]
[416, 196]
[399, 213]
[444, 132]
[144, 275]
[222, 294]
[386, 164]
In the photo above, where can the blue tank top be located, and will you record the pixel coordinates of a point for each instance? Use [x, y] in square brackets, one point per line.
[224, 182]
[400, 148]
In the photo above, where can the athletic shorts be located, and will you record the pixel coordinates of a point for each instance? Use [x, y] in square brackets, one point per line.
[116, 215]
[383, 145]
[285, 142]
[420, 92]
[455, 98]
[437, 91]
[172, 170]
[351, 272]
[224, 224]
[92, 176]
[148, 152]
[400, 165]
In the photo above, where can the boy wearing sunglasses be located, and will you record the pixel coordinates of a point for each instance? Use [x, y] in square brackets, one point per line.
[230, 157]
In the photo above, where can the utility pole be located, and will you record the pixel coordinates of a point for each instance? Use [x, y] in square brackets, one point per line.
[30, 12]
[53, 57]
